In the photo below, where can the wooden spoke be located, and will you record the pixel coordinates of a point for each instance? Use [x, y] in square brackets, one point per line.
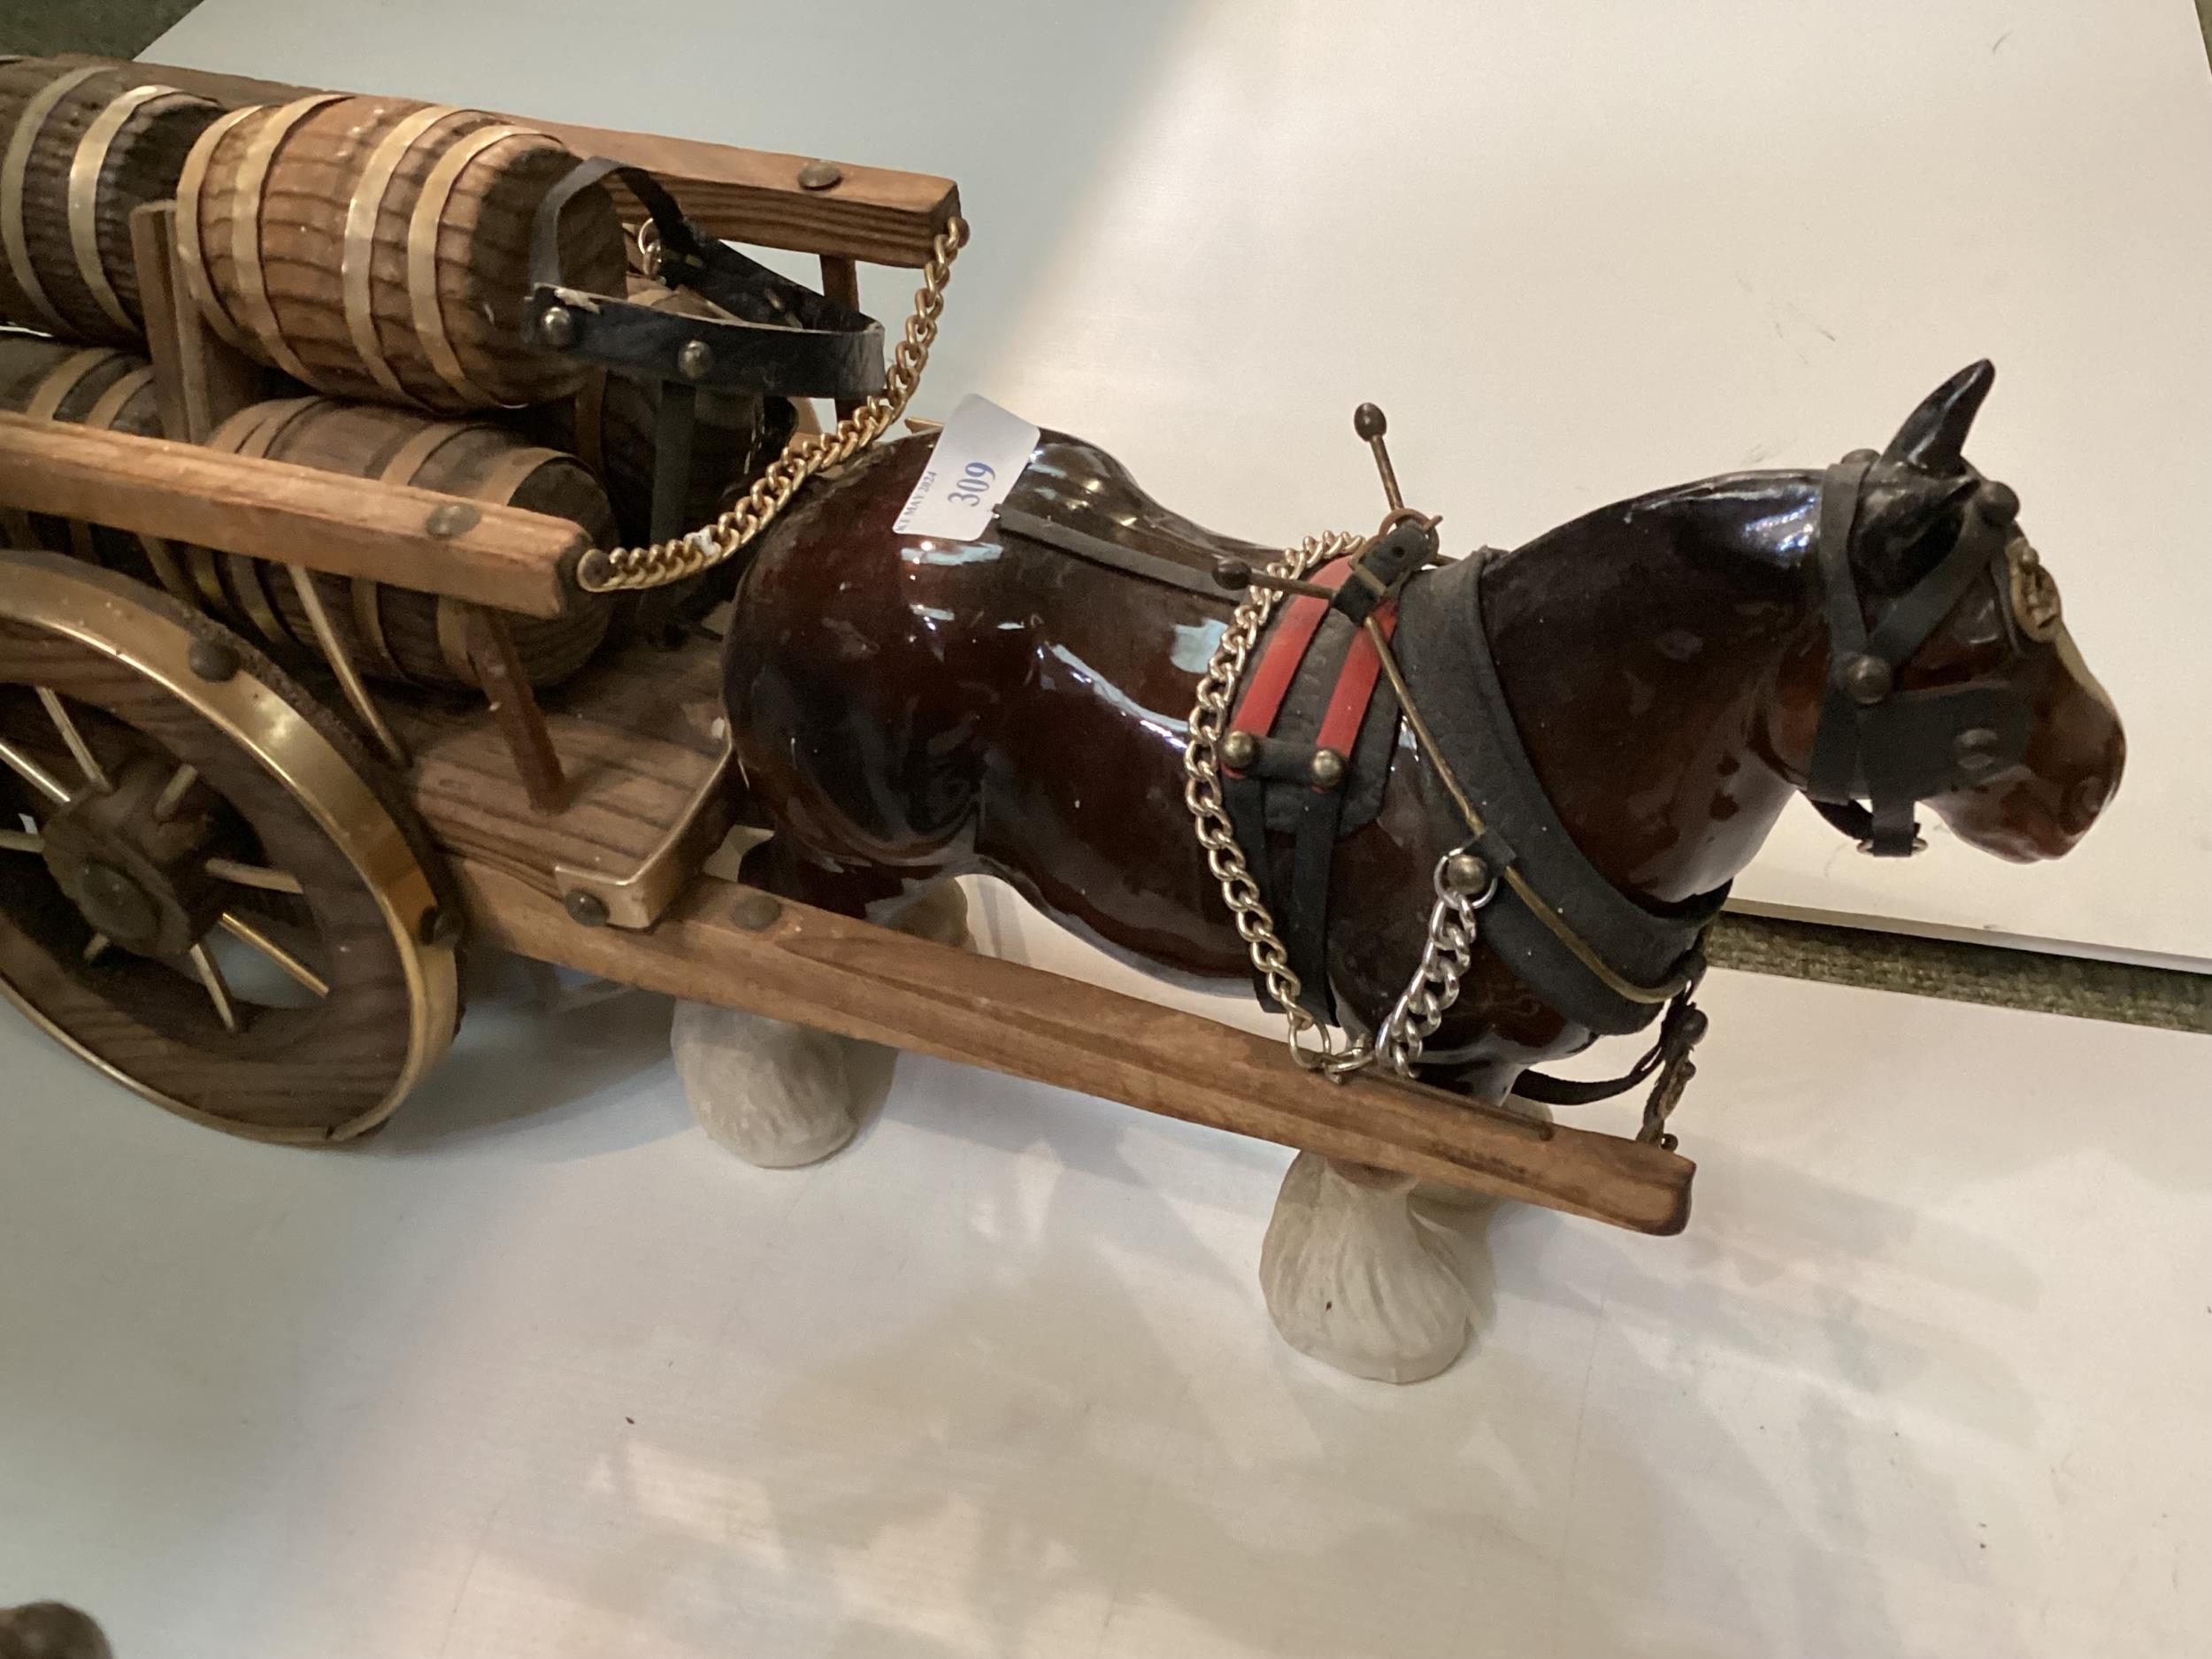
[218, 993]
[240, 929]
[253, 876]
[95, 947]
[173, 792]
[79, 750]
[20, 841]
[24, 767]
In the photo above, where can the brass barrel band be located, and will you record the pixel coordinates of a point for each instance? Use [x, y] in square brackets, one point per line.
[101, 417]
[230, 437]
[190, 256]
[356, 263]
[14, 169]
[507, 475]
[245, 228]
[53, 390]
[368, 594]
[422, 252]
[247, 574]
[85, 168]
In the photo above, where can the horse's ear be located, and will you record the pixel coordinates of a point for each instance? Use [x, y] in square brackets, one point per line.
[1933, 437]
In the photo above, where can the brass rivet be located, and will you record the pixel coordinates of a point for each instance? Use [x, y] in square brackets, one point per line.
[1999, 503]
[1239, 749]
[754, 909]
[1866, 680]
[212, 660]
[586, 910]
[456, 517]
[557, 327]
[821, 175]
[1464, 873]
[1326, 769]
[695, 361]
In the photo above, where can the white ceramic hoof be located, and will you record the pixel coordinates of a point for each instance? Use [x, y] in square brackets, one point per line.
[781, 1096]
[1354, 1280]
[777, 1095]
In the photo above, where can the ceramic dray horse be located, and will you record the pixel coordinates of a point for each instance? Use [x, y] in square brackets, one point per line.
[1660, 677]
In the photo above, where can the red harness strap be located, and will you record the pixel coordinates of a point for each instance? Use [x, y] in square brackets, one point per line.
[1284, 649]
[1284, 653]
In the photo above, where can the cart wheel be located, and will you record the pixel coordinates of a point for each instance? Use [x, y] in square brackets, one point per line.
[207, 887]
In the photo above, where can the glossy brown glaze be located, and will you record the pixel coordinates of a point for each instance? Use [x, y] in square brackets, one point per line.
[908, 710]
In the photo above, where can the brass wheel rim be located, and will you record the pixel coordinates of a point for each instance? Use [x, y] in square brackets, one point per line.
[310, 782]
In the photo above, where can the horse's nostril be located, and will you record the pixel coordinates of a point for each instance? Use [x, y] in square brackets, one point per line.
[2085, 801]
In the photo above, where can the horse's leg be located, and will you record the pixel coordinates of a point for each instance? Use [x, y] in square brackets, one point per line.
[781, 1096]
[1360, 1274]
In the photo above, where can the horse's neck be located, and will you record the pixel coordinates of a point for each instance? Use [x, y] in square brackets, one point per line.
[1639, 648]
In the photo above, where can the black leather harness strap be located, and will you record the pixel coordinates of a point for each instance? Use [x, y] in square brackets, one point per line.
[1309, 752]
[778, 338]
[1117, 555]
[1893, 746]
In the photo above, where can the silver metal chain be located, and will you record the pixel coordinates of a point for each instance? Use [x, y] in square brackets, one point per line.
[1445, 959]
[1461, 884]
[1202, 794]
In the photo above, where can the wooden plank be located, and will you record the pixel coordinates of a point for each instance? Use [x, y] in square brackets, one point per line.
[200, 380]
[738, 948]
[153, 228]
[501, 557]
[622, 793]
[873, 213]
[880, 214]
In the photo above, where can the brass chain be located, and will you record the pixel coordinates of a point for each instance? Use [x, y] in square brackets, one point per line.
[603, 571]
[1202, 794]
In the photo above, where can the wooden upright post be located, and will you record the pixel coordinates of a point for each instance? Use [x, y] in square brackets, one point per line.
[200, 379]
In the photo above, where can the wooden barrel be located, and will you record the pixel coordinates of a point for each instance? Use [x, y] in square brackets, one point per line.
[376, 248]
[81, 147]
[611, 425]
[89, 386]
[397, 633]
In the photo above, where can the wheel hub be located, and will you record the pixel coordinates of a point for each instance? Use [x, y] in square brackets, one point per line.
[136, 877]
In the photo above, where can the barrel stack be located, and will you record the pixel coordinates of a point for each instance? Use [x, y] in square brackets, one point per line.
[376, 251]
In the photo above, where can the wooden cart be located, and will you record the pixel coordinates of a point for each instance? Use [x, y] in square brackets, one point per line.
[183, 790]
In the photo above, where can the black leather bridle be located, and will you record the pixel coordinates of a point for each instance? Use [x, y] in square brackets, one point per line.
[1880, 751]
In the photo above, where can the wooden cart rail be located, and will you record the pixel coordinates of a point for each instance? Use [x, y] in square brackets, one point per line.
[876, 214]
[741, 948]
[501, 556]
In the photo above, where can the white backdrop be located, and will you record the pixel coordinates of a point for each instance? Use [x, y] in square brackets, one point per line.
[1577, 251]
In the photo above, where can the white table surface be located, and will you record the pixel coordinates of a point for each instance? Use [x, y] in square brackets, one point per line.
[540, 1372]
[1578, 250]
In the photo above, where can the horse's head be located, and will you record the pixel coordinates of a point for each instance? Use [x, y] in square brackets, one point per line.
[1958, 684]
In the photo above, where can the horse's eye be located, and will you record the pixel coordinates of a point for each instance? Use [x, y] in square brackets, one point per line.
[2035, 601]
